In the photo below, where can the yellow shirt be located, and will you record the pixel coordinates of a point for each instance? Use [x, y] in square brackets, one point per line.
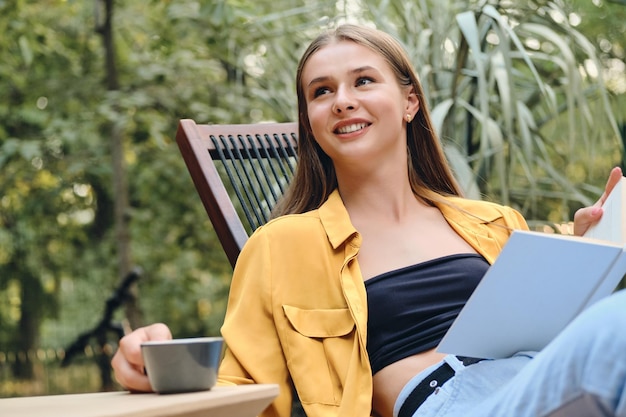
[297, 309]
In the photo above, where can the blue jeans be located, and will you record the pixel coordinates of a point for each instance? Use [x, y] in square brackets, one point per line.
[581, 373]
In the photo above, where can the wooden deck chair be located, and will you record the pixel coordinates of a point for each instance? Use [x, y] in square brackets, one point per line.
[239, 171]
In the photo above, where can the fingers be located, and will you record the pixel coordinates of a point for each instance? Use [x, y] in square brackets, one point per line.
[614, 177]
[129, 376]
[127, 362]
[586, 216]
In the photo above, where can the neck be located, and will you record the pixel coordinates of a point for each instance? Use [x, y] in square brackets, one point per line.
[379, 200]
[378, 191]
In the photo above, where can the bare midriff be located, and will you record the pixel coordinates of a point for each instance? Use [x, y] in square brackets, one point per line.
[389, 381]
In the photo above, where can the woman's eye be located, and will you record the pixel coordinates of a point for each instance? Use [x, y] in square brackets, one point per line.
[320, 91]
[364, 81]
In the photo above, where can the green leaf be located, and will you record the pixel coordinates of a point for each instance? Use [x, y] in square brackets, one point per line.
[462, 171]
[27, 53]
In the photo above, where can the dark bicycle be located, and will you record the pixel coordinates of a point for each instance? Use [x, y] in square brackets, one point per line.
[102, 331]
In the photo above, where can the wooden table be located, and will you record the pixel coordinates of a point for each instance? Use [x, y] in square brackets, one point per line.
[235, 401]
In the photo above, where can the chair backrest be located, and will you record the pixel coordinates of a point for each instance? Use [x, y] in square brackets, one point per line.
[239, 171]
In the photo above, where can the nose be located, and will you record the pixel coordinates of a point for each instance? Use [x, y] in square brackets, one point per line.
[344, 101]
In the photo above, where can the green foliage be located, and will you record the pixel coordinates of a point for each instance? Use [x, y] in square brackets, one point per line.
[518, 96]
[175, 60]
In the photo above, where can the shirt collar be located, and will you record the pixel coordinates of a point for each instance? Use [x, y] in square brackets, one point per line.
[464, 215]
[336, 221]
[468, 213]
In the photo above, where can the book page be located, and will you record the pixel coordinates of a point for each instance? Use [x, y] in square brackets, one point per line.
[612, 225]
[537, 285]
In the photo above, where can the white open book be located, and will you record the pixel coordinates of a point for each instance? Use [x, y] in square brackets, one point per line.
[538, 284]
[612, 225]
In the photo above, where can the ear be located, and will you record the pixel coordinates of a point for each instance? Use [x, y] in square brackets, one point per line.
[412, 102]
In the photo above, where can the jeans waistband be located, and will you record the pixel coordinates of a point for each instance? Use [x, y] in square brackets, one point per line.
[429, 384]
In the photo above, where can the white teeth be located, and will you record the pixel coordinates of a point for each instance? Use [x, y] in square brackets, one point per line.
[352, 128]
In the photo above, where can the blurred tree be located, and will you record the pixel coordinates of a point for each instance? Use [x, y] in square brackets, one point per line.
[57, 236]
[44, 204]
[604, 22]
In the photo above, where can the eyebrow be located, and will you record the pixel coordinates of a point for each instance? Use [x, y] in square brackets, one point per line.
[353, 71]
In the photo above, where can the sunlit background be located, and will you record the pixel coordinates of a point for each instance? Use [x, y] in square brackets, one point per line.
[527, 96]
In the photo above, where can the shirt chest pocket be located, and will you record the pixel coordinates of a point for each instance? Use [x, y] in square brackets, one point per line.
[318, 345]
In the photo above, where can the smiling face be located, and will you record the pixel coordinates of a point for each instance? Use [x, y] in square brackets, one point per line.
[355, 105]
[330, 144]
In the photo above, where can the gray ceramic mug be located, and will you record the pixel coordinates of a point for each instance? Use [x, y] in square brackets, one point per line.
[182, 365]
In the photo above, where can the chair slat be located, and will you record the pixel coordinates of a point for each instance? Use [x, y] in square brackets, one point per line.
[240, 172]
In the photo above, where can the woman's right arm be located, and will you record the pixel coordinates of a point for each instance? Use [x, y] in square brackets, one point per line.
[253, 350]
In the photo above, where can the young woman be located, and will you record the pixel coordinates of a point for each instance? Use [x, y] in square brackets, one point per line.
[373, 252]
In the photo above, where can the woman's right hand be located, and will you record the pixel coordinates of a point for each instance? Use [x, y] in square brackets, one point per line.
[585, 217]
[127, 362]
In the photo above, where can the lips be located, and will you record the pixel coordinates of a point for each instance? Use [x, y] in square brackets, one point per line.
[351, 128]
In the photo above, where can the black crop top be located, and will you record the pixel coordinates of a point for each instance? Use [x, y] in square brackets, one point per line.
[410, 309]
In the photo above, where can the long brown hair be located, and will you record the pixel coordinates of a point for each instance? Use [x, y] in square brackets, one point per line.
[429, 173]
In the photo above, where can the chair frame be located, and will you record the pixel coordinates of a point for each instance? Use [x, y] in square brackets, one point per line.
[199, 152]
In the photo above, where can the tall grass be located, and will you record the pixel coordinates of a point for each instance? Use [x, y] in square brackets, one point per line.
[50, 378]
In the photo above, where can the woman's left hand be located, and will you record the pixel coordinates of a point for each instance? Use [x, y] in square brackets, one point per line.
[587, 216]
